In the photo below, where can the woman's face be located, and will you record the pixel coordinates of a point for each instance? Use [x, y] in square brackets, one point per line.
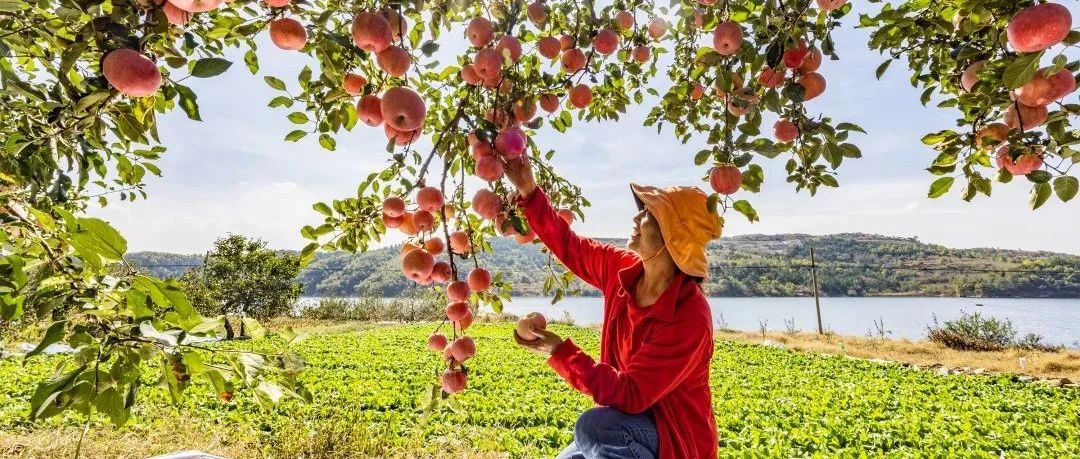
[646, 239]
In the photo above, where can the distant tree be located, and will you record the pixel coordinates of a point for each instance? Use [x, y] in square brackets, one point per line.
[243, 277]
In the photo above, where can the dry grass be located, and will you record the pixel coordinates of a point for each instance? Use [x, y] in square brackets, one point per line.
[1064, 364]
[117, 444]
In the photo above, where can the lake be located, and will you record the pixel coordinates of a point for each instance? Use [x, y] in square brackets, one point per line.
[1057, 320]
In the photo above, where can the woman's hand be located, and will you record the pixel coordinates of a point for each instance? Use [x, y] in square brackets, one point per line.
[544, 345]
[520, 173]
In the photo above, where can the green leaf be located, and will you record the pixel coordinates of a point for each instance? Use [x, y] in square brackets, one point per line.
[252, 61]
[281, 101]
[295, 135]
[429, 48]
[743, 207]
[110, 402]
[881, 69]
[298, 117]
[1021, 70]
[11, 6]
[188, 102]
[701, 157]
[1066, 187]
[322, 208]
[210, 67]
[96, 236]
[1039, 194]
[940, 186]
[327, 142]
[850, 127]
[275, 83]
[52, 336]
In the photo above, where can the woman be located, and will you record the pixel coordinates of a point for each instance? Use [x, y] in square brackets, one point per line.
[651, 384]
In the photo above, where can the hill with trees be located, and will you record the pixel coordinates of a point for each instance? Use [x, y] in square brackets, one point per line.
[852, 264]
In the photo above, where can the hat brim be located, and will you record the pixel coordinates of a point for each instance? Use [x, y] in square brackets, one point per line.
[637, 199]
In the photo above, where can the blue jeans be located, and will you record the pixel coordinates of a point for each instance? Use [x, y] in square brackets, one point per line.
[607, 433]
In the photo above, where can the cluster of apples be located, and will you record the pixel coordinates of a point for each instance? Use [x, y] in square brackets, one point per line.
[1033, 29]
[400, 110]
[134, 74]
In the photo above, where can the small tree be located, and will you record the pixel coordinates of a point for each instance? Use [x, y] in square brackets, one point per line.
[243, 277]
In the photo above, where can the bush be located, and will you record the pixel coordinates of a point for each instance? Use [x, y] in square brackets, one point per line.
[972, 332]
[415, 309]
[1033, 342]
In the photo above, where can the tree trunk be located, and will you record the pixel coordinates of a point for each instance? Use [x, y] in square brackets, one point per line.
[229, 334]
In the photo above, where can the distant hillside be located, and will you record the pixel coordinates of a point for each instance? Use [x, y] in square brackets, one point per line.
[752, 265]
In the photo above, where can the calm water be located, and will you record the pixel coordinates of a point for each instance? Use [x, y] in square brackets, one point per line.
[1057, 320]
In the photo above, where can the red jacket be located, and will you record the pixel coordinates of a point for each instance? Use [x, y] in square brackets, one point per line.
[654, 357]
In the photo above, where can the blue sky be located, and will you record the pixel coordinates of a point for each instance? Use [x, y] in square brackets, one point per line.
[233, 173]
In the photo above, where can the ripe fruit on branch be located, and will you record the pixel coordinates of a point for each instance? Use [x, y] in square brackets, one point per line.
[288, 34]
[488, 63]
[442, 271]
[697, 91]
[624, 20]
[459, 243]
[829, 5]
[641, 54]
[991, 136]
[479, 279]
[524, 109]
[510, 143]
[437, 342]
[736, 84]
[480, 31]
[465, 322]
[353, 84]
[407, 226]
[417, 264]
[814, 84]
[566, 42]
[429, 198]
[278, 3]
[1028, 161]
[657, 28]
[727, 38]
[771, 78]
[434, 245]
[537, 13]
[1042, 89]
[449, 211]
[393, 222]
[225, 396]
[398, 24]
[532, 320]
[403, 109]
[489, 168]
[453, 381]
[371, 32]
[131, 73]
[580, 95]
[971, 75]
[469, 75]
[812, 62]
[549, 102]
[174, 15]
[526, 238]
[486, 203]
[509, 47]
[794, 58]
[424, 221]
[573, 60]
[457, 310]
[606, 41]
[197, 6]
[393, 206]
[725, 179]
[394, 60]
[463, 349]
[369, 110]
[785, 131]
[549, 47]
[457, 291]
[1033, 117]
[401, 137]
[1039, 27]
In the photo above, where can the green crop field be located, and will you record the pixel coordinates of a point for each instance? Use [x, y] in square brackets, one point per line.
[370, 388]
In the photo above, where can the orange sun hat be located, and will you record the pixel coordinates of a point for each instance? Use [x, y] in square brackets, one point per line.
[686, 223]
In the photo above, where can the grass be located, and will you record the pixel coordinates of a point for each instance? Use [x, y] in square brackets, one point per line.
[370, 385]
[1062, 364]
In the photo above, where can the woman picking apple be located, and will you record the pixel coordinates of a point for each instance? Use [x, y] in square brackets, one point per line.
[651, 383]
